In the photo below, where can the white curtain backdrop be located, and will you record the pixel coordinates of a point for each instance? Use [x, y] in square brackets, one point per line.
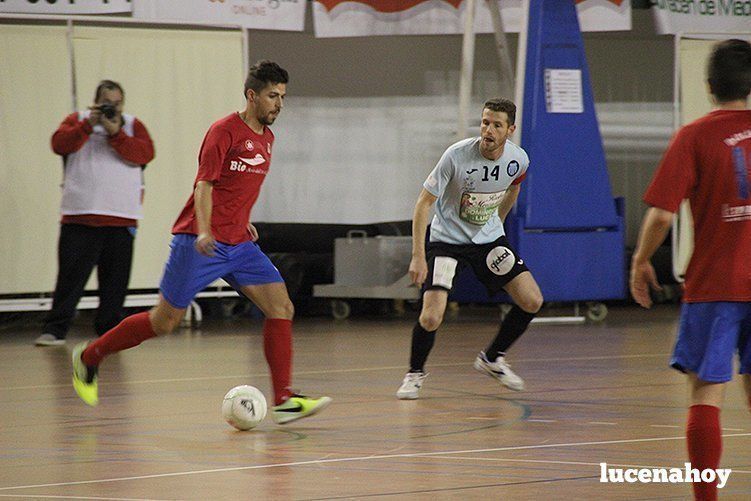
[176, 81]
[35, 95]
[354, 161]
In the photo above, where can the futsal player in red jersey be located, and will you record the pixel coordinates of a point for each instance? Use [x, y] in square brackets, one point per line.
[708, 162]
[213, 238]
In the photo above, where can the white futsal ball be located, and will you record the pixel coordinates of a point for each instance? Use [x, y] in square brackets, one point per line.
[244, 407]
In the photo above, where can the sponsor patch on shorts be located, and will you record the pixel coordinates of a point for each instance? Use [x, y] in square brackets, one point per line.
[500, 260]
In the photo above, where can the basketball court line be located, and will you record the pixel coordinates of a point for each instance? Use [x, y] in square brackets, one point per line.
[97, 498]
[445, 490]
[371, 457]
[329, 371]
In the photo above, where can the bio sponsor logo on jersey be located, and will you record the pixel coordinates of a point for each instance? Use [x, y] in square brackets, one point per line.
[243, 164]
[500, 260]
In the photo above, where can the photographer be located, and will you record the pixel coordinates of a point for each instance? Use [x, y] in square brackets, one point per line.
[104, 153]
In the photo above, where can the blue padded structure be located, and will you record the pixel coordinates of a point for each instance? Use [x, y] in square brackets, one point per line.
[568, 266]
[566, 226]
[567, 159]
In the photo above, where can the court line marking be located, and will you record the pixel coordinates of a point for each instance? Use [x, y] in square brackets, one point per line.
[444, 490]
[50, 496]
[664, 426]
[355, 458]
[606, 423]
[332, 371]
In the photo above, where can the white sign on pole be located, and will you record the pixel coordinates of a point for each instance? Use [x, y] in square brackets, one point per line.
[563, 91]
[65, 6]
[285, 15]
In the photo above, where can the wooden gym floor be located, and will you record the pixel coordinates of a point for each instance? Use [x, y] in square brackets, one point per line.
[595, 393]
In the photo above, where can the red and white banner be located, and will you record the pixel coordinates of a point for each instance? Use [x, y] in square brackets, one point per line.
[285, 15]
[719, 16]
[65, 6]
[355, 18]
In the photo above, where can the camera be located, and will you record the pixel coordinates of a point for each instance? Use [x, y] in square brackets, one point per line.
[108, 111]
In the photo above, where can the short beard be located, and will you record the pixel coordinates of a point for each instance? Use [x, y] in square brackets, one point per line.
[265, 120]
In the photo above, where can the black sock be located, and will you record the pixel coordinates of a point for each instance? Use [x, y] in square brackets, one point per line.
[511, 329]
[422, 343]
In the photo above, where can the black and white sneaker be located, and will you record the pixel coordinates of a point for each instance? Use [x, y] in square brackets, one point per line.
[499, 370]
[410, 388]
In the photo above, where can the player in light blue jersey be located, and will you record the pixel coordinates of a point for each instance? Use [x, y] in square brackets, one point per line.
[474, 186]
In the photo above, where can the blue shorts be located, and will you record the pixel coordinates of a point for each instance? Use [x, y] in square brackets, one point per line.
[188, 272]
[708, 337]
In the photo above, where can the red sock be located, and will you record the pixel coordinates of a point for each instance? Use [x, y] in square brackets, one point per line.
[704, 445]
[129, 333]
[277, 346]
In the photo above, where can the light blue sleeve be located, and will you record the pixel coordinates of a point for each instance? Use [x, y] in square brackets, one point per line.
[439, 178]
[525, 164]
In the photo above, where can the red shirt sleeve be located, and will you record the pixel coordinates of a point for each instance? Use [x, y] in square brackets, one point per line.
[675, 177]
[214, 149]
[519, 179]
[138, 149]
[71, 135]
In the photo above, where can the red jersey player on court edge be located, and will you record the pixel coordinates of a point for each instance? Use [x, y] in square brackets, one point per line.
[213, 238]
[708, 162]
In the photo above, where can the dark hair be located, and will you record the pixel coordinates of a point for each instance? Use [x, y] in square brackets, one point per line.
[107, 85]
[263, 73]
[729, 70]
[500, 104]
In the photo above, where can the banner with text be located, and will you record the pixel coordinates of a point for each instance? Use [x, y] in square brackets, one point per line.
[285, 15]
[702, 16]
[356, 18]
[65, 6]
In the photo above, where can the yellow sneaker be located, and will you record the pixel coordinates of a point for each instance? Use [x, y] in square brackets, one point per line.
[84, 377]
[297, 407]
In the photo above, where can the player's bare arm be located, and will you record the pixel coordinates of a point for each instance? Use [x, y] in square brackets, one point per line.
[253, 231]
[205, 243]
[654, 229]
[509, 199]
[418, 267]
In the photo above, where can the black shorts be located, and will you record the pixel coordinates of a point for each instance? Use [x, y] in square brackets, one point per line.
[494, 264]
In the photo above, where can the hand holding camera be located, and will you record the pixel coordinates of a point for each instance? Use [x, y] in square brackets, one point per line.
[107, 115]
